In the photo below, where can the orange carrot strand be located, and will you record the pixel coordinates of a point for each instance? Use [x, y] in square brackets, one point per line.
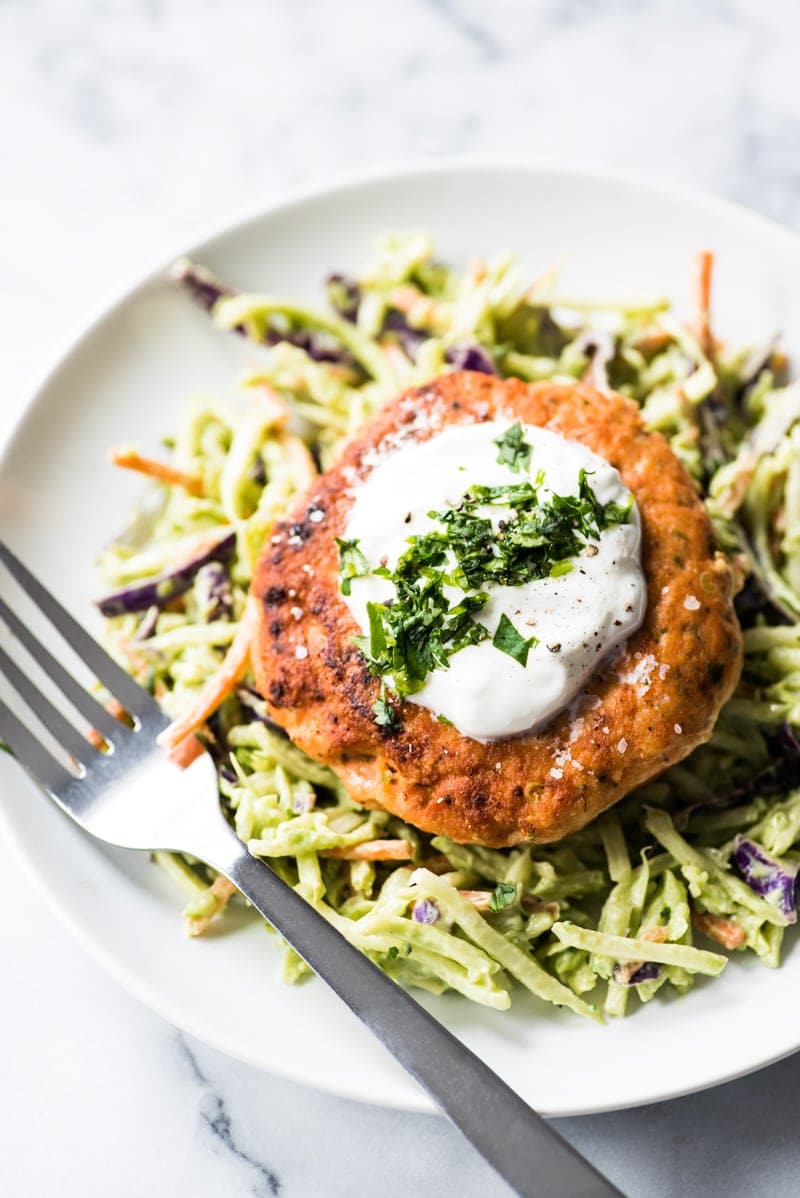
[219, 685]
[726, 932]
[701, 300]
[130, 459]
[221, 890]
[374, 850]
[480, 899]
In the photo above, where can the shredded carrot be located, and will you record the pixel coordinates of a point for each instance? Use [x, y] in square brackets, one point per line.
[420, 307]
[276, 407]
[650, 341]
[547, 277]
[701, 300]
[657, 935]
[137, 662]
[222, 890]
[131, 459]
[219, 685]
[394, 353]
[115, 708]
[480, 899]
[726, 932]
[536, 906]
[374, 850]
[186, 752]
[476, 270]
[182, 754]
[779, 361]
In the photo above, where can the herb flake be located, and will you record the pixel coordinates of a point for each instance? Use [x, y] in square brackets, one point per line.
[508, 640]
[515, 452]
[352, 563]
[504, 895]
[386, 716]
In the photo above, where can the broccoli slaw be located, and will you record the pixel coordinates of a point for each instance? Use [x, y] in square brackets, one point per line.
[704, 857]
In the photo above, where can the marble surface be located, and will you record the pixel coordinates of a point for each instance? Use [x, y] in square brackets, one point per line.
[126, 128]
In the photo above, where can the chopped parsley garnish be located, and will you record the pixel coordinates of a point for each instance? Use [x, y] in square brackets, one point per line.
[504, 895]
[352, 563]
[419, 631]
[393, 951]
[386, 715]
[515, 452]
[508, 640]
[423, 625]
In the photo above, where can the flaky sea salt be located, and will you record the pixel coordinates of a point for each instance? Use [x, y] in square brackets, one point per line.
[639, 673]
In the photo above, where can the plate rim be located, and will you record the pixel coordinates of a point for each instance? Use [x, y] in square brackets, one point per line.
[106, 308]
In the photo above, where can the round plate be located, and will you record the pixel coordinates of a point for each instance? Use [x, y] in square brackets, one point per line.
[126, 379]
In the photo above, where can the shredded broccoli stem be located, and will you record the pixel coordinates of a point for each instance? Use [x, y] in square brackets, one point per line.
[628, 948]
[582, 917]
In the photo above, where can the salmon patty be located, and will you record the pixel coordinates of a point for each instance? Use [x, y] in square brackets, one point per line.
[648, 704]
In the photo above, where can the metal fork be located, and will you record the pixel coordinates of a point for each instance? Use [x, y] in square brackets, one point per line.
[133, 796]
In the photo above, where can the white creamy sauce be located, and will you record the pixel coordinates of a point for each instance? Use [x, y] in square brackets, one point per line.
[578, 617]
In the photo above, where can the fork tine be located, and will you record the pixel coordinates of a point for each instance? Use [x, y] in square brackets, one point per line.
[42, 766]
[67, 736]
[130, 694]
[85, 703]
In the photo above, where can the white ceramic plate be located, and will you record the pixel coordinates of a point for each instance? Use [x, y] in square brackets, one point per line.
[126, 378]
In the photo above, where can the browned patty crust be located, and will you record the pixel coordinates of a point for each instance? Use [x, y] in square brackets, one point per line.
[648, 705]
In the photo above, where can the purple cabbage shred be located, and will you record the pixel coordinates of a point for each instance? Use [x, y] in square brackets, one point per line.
[787, 738]
[158, 591]
[317, 346]
[213, 592]
[471, 357]
[344, 296]
[203, 287]
[782, 774]
[600, 348]
[426, 911]
[633, 973]
[256, 709]
[756, 599]
[406, 335]
[769, 877]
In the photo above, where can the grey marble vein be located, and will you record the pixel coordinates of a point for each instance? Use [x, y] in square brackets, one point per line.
[468, 26]
[214, 1114]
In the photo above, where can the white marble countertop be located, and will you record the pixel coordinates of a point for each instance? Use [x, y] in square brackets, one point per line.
[127, 127]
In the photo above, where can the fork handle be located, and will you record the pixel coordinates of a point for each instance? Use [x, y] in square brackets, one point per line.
[528, 1154]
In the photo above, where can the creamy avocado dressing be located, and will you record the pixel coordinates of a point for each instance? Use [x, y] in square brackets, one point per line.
[572, 620]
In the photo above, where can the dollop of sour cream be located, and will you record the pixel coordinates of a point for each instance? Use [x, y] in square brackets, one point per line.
[578, 617]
